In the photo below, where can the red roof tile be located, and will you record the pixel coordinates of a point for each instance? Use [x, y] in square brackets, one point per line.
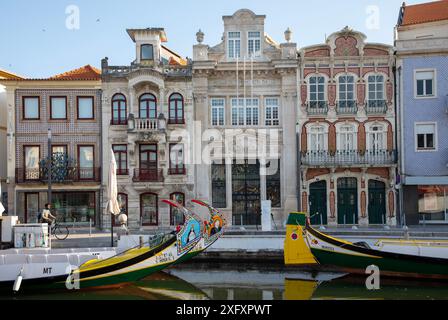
[425, 12]
[84, 73]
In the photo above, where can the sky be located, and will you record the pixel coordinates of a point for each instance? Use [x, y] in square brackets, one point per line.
[36, 42]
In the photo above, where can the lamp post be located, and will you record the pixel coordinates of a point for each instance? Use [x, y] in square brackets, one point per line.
[49, 167]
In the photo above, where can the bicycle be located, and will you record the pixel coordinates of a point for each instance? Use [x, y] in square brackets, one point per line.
[59, 231]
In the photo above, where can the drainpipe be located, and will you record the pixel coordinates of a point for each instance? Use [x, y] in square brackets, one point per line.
[398, 134]
[100, 196]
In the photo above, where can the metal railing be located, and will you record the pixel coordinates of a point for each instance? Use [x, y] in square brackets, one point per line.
[376, 106]
[63, 175]
[349, 157]
[347, 107]
[148, 175]
[317, 107]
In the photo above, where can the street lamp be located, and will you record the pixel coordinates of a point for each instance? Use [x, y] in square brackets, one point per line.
[49, 168]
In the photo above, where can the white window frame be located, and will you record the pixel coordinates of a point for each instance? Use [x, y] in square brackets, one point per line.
[272, 120]
[242, 109]
[340, 133]
[232, 54]
[218, 108]
[436, 140]
[309, 129]
[376, 91]
[370, 131]
[254, 41]
[434, 84]
[346, 87]
[317, 85]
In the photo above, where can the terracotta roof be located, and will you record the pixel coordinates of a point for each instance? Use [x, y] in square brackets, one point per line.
[424, 13]
[173, 57]
[84, 73]
[9, 75]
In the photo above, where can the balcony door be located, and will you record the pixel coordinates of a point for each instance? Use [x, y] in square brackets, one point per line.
[148, 161]
[376, 139]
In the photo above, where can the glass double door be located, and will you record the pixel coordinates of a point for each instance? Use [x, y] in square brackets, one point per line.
[148, 161]
[246, 204]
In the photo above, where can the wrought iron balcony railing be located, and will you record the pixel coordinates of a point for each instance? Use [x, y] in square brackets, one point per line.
[177, 171]
[376, 106]
[317, 107]
[148, 175]
[61, 175]
[346, 107]
[349, 157]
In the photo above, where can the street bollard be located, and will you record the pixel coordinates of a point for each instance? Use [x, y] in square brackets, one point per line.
[141, 241]
[90, 227]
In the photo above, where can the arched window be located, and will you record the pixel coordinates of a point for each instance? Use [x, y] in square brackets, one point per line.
[376, 103]
[148, 107]
[346, 138]
[176, 216]
[149, 209]
[176, 114]
[376, 138]
[119, 110]
[123, 204]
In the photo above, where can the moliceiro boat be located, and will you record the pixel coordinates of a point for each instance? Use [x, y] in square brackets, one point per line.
[86, 270]
[400, 258]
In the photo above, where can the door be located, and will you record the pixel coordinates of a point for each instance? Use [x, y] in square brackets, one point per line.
[377, 202]
[318, 203]
[347, 201]
[31, 207]
[246, 204]
[148, 161]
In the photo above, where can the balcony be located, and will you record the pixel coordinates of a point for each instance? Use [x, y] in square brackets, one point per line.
[61, 175]
[148, 175]
[347, 107]
[177, 171]
[317, 108]
[376, 107]
[349, 158]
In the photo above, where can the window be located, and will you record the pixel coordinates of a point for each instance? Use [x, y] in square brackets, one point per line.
[31, 207]
[86, 160]
[148, 106]
[433, 202]
[425, 83]
[346, 91]
[376, 88]
[376, 138]
[234, 45]
[254, 43]
[218, 112]
[317, 139]
[121, 157]
[119, 111]
[85, 108]
[219, 198]
[177, 164]
[147, 52]
[176, 114]
[31, 162]
[149, 209]
[272, 108]
[317, 92]
[426, 136]
[245, 112]
[273, 186]
[58, 107]
[58, 149]
[31, 108]
[176, 216]
[75, 208]
[346, 138]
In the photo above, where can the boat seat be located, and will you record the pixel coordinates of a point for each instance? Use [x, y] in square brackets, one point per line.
[362, 244]
[16, 259]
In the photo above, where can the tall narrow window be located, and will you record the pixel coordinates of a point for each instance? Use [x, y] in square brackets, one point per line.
[346, 138]
[254, 43]
[424, 83]
[58, 107]
[317, 92]
[273, 186]
[426, 136]
[376, 102]
[149, 209]
[85, 108]
[177, 164]
[147, 52]
[176, 114]
[219, 198]
[234, 45]
[119, 111]
[376, 139]
[347, 92]
[31, 108]
[272, 115]
[31, 162]
[86, 160]
[217, 112]
[121, 157]
[317, 139]
[148, 106]
[176, 216]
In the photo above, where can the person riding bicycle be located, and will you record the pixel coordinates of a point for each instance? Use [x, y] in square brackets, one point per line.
[47, 217]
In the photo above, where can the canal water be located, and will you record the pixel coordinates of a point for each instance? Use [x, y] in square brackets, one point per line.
[250, 282]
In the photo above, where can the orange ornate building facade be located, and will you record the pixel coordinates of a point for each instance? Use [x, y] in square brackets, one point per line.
[346, 125]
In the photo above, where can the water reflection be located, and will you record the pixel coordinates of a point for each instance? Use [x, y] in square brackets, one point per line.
[248, 282]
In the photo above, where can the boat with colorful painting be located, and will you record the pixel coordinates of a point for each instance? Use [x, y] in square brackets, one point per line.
[427, 259]
[66, 271]
[212, 230]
